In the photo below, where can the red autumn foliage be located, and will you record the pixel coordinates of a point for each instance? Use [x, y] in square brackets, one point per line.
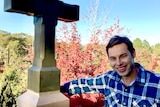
[28, 58]
[77, 61]
[154, 63]
[1, 68]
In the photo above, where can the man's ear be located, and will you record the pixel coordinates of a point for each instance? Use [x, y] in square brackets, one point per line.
[134, 54]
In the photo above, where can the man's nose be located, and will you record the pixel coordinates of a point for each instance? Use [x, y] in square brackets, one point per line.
[118, 62]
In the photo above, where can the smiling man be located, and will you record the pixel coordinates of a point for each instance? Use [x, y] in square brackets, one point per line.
[127, 85]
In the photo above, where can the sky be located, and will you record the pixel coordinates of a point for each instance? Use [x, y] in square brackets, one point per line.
[142, 17]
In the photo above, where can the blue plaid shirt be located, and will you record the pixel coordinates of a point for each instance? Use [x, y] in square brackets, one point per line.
[144, 92]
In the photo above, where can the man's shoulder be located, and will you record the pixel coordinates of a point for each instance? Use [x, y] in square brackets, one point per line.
[158, 75]
[152, 73]
[153, 76]
[147, 74]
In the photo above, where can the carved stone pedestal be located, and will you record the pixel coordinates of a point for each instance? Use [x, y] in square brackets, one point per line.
[45, 99]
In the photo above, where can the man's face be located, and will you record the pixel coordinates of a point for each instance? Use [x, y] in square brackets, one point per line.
[121, 59]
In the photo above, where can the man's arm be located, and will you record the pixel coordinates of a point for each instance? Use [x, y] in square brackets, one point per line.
[84, 85]
[65, 87]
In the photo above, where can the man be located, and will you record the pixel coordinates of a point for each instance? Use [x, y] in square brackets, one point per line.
[127, 85]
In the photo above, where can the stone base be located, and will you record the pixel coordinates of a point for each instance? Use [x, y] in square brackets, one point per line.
[45, 99]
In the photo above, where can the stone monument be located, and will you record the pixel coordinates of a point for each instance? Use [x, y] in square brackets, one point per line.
[43, 89]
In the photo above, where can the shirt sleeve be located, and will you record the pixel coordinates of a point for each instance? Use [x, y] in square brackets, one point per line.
[87, 85]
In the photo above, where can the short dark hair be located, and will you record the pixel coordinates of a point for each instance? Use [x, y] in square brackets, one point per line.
[115, 40]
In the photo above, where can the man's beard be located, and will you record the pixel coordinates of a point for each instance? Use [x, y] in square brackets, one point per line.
[130, 70]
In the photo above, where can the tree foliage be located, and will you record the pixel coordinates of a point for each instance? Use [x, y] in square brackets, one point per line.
[156, 49]
[148, 56]
[7, 99]
[13, 79]
[137, 43]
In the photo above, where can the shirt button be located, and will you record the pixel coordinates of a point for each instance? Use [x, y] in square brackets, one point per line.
[124, 103]
[125, 89]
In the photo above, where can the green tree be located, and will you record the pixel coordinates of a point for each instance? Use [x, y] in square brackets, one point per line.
[7, 99]
[143, 56]
[138, 43]
[146, 45]
[156, 49]
[14, 78]
[157, 69]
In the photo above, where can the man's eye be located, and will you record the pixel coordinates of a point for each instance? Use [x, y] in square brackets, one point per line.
[124, 56]
[112, 59]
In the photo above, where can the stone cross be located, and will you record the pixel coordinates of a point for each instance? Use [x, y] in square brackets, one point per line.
[43, 76]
